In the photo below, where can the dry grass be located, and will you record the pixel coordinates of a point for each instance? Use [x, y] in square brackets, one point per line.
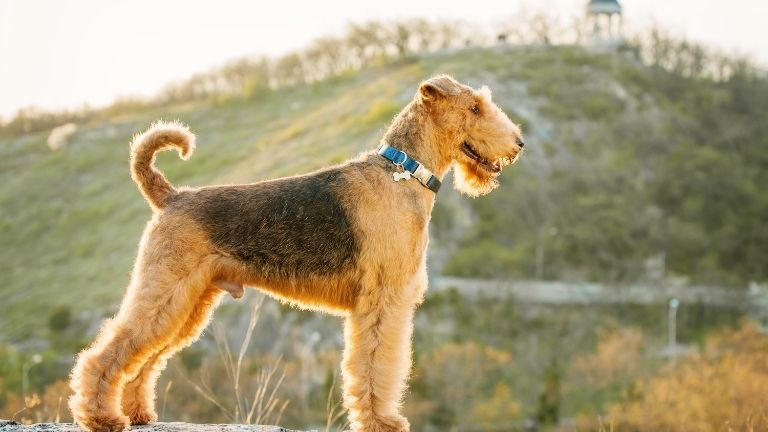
[263, 406]
[335, 413]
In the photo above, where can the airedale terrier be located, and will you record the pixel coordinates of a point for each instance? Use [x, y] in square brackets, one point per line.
[350, 240]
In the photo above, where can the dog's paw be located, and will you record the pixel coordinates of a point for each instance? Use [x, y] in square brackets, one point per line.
[395, 423]
[376, 423]
[138, 413]
[141, 417]
[399, 424]
[103, 423]
[96, 420]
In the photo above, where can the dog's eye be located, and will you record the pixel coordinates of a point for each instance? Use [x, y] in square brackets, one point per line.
[475, 109]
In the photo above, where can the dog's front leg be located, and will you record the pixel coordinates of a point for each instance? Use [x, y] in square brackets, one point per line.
[377, 358]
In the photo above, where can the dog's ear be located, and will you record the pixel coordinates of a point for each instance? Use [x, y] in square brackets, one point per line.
[439, 87]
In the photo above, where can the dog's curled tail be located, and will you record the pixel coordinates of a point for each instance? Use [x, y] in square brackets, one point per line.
[160, 136]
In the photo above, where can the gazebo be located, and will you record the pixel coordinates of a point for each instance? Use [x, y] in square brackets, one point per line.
[604, 21]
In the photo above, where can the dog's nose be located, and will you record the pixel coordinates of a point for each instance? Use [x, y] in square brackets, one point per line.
[520, 142]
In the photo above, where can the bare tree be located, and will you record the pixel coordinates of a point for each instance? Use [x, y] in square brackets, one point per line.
[289, 70]
[326, 57]
[366, 42]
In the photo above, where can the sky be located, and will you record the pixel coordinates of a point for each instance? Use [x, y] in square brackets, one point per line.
[58, 54]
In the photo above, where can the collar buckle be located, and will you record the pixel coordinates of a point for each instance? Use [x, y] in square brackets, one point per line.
[409, 166]
[401, 163]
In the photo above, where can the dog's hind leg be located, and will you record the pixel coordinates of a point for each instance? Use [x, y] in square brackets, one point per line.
[138, 401]
[165, 287]
[377, 357]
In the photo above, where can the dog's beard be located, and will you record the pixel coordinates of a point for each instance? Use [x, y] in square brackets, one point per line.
[472, 180]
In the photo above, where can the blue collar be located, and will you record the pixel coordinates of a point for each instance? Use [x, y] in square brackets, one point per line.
[411, 167]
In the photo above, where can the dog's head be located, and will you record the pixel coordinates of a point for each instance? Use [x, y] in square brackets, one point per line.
[474, 133]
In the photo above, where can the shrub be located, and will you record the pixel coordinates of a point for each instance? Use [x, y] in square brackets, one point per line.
[722, 388]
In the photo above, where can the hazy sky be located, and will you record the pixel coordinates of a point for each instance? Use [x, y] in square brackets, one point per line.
[61, 53]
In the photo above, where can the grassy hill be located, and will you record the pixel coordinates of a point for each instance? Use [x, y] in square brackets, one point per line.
[625, 162]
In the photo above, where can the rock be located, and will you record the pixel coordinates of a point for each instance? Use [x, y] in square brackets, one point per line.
[12, 426]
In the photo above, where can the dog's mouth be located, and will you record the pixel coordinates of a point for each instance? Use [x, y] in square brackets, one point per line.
[493, 166]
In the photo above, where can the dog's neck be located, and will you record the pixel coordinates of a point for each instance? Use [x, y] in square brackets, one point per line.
[410, 133]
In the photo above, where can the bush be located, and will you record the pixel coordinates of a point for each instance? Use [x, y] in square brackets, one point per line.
[724, 387]
[59, 319]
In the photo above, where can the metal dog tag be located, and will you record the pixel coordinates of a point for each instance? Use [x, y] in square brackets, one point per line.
[403, 175]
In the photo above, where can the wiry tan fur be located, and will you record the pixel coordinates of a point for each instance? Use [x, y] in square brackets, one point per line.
[185, 264]
[161, 136]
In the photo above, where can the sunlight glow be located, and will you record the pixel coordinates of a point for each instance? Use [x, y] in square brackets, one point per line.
[57, 54]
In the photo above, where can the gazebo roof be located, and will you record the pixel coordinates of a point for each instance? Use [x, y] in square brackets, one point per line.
[604, 6]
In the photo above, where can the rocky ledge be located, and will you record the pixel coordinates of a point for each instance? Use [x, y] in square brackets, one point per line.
[12, 426]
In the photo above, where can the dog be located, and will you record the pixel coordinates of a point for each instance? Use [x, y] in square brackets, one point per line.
[349, 240]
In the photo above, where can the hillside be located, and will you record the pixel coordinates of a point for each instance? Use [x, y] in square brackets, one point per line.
[625, 163]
